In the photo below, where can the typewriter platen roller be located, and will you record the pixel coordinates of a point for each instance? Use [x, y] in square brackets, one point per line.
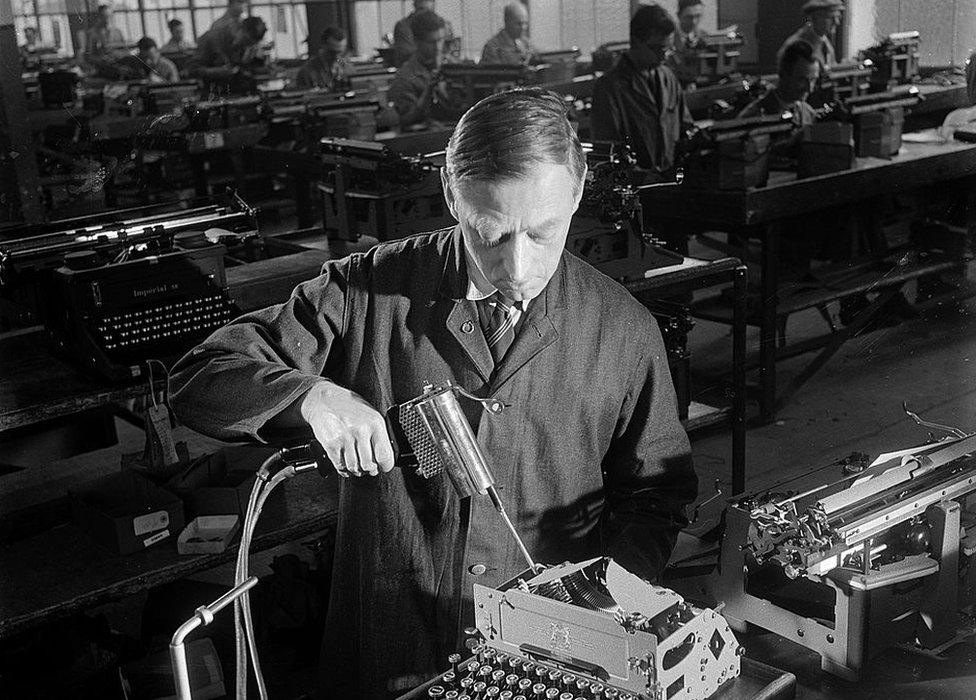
[594, 630]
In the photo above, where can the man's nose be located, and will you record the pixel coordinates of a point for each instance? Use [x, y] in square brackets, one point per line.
[517, 257]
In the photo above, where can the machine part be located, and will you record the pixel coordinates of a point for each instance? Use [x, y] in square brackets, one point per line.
[929, 424]
[652, 642]
[859, 564]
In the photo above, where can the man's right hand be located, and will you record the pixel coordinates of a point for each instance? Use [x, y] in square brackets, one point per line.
[352, 433]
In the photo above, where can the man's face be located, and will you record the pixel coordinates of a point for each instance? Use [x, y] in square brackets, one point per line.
[104, 16]
[178, 31]
[516, 229]
[236, 7]
[798, 84]
[429, 48]
[30, 34]
[332, 49]
[826, 21]
[650, 53]
[149, 56]
[690, 18]
[517, 22]
[421, 5]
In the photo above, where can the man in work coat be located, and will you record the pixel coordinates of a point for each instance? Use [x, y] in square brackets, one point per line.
[588, 456]
[640, 100]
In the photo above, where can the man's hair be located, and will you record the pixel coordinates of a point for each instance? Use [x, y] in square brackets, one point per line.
[685, 4]
[174, 23]
[513, 7]
[794, 52]
[333, 33]
[504, 134]
[425, 23]
[254, 27]
[650, 20]
[146, 43]
[102, 7]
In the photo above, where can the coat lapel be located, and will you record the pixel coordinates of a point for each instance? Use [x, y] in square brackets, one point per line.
[538, 330]
[456, 319]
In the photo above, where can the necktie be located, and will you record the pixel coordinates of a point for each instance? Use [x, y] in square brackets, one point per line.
[498, 315]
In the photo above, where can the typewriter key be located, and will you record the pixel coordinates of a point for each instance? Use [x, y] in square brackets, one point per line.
[435, 691]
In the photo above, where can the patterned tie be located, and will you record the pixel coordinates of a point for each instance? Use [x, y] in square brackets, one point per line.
[498, 315]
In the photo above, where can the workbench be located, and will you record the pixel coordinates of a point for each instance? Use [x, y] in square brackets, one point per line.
[60, 571]
[764, 213]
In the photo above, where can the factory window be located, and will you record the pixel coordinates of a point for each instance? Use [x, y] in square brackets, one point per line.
[286, 20]
[49, 17]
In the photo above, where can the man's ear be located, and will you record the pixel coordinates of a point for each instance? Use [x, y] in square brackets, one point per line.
[579, 195]
[449, 195]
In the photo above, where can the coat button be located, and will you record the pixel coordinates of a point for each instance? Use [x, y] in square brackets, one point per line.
[477, 569]
[467, 327]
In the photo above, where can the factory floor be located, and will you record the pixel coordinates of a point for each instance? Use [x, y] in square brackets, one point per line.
[854, 403]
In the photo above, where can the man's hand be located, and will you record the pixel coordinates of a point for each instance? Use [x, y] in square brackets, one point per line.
[352, 432]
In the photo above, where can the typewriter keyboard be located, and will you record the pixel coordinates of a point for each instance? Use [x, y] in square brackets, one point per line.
[161, 329]
[494, 675]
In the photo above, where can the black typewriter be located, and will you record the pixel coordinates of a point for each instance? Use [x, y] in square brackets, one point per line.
[114, 317]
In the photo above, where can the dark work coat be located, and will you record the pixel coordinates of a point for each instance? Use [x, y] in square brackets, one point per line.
[589, 457]
[625, 109]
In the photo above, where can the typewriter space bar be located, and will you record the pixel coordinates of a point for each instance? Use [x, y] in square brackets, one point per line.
[575, 664]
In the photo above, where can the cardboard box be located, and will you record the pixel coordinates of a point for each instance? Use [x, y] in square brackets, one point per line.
[126, 512]
[826, 148]
[208, 534]
[215, 484]
[878, 134]
[731, 165]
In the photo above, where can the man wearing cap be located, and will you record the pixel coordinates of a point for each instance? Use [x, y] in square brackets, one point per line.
[823, 19]
[327, 68]
[511, 45]
[687, 41]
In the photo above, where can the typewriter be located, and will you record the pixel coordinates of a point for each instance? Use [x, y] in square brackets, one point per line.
[591, 630]
[857, 557]
[372, 190]
[607, 230]
[156, 305]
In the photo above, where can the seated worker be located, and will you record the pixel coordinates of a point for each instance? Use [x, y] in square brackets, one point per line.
[229, 22]
[148, 63]
[231, 57]
[797, 73]
[823, 19]
[640, 100]
[610, 473]
[178, 42]
[404, 45]
[102, 40]
[511, 45]
[29, 46]
[327, 68]
[416, 91]
[687, 41]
